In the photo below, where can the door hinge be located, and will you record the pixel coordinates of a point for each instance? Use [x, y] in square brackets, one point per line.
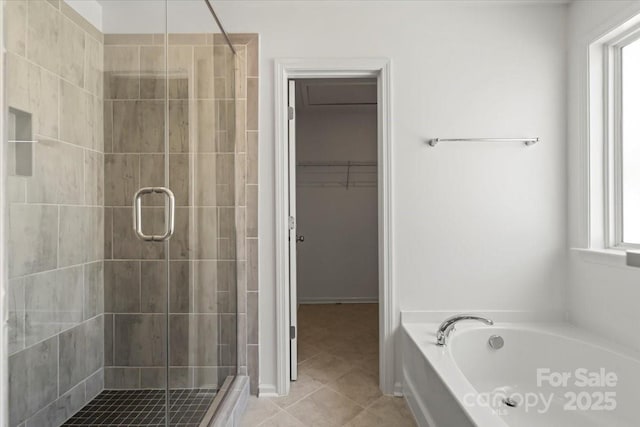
[292, 332]
[292, 113]
[292, 223]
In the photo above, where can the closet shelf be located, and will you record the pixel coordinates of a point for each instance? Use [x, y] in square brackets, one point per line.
[337, 174]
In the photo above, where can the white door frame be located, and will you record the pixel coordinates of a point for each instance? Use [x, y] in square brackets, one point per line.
[380, 68]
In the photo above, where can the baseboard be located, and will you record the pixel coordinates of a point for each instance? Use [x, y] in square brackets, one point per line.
[397, 389]
[267, 390]
[338, 300]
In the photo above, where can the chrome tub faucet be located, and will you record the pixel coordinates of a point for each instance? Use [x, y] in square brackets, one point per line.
[449, 325]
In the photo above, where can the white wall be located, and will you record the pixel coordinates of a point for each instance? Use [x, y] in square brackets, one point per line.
[477, 226]
[603, 293]
[338, 261]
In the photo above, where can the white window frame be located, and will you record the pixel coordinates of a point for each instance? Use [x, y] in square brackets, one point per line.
[612, 73]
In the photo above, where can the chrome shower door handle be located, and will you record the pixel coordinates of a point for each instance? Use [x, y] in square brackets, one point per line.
[137, 214]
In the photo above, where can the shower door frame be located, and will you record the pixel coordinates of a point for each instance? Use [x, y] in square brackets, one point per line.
[4, 353]
[307, 68]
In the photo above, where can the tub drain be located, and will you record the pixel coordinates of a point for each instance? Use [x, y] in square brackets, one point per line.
[510, 402]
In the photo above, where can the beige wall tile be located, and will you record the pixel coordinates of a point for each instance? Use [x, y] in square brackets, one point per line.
[108, 126]
[253, 361]
[138, 126]
[152, 68]
[205, 180]
[252, 318]
[252, 211]
[252, 264]
[122, 178]
[16, 26]
[180, 286]
[53, 302]
[79, 20]
[125, 244]
[18, 76]
[140, 340]
[58, 175]
[128, 39]
[122, 286]
[204, 123]
[179, 126]
[239, 128]
[153, 286]
[206, 286]
[77, 115]
[43, 101]
[226, 222]
[203, 72]
[180, 246]
[252, 57]
[121, 378]
[98, 127]
[152, 175]
[240, 76]
[94, 178]
[33, 235]
[241, 234]
[206, 222]
[180, 71]
[93, 66]
[222, 68]
[187, 39]
[108, 233]
[252, 157]
[71, 244]
[43, 32]
[72, 52]
[121, 72]
[241, 179]
[252, 104]
[81, 235]
[179, 177]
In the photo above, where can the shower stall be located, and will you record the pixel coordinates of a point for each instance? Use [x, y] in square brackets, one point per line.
[124, 217]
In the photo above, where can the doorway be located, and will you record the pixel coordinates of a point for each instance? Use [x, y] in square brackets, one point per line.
[334, 250]
[288, 72]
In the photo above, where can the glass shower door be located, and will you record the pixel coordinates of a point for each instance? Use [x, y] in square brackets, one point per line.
[122, 309]
[139, 211]
[202, 342]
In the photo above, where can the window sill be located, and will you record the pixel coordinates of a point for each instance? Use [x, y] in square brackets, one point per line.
[610, 257]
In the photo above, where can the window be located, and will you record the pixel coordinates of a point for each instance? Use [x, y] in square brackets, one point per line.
[621, 144]
[628, 145]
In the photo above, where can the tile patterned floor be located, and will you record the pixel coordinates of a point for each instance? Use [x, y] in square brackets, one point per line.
[144, 408]
[337, 375]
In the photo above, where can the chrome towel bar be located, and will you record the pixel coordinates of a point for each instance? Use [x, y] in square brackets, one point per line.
[527, 141]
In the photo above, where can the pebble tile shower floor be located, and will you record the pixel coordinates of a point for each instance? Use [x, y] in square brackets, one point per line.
[144, 408]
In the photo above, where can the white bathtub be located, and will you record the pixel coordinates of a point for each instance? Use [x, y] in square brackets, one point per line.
[464, 383]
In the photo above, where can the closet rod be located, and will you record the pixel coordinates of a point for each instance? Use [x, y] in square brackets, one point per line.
[336, 164]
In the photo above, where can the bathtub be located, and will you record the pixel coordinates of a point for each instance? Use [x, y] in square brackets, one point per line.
[555, 374]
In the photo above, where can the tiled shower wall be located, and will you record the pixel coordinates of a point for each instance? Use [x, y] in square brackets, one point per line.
[210, 148]
[247, 170]
[55, 213]
[57, 217]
